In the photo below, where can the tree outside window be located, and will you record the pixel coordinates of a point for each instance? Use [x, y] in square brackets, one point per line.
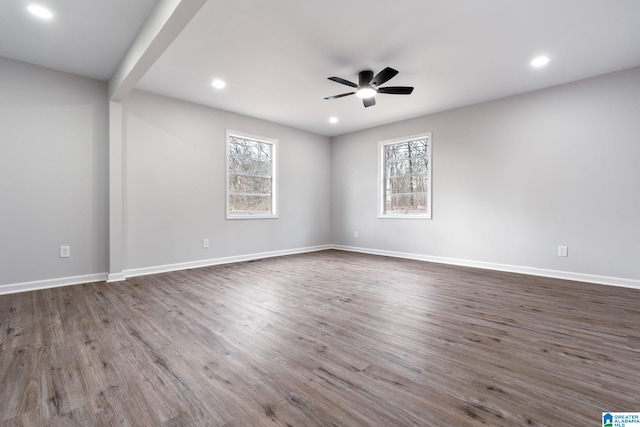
[406, 177]
[251, 176]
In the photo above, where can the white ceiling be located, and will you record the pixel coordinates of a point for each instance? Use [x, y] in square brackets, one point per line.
[85, 37]
[276, 55]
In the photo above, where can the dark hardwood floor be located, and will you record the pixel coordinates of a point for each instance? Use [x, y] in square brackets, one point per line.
[322, 339]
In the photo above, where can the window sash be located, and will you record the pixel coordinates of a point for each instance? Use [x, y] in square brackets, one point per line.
[405, 177]
[250, 176]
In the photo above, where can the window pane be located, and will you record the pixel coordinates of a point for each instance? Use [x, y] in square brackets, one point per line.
[250, 185]
[247, 184]
[249, 203]
[249, 167]
[406, 177]
[398, 168]
[405, 150]
[412, 203]
[408, 184]
[241, 147]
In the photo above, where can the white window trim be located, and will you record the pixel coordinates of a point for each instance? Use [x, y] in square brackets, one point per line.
[381, 195]
[274, 175]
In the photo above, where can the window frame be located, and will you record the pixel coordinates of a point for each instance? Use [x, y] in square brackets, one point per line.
[274, 175]
[381, 177]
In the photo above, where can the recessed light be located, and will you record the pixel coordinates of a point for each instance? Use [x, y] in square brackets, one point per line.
[40, 11]
[333, 120]
[540, 61]
[218, 84]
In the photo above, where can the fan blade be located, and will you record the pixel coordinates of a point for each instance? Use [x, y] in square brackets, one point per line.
[343, 81]
[340, 96]
[383, 76]
[364, 77]
[368, 102]
[396, 90]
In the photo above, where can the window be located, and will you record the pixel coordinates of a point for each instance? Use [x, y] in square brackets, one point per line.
[251, 176]
[405, 177]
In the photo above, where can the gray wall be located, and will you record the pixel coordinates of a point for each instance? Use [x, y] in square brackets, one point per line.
[53, 173]
[175, 185]
[512, 180]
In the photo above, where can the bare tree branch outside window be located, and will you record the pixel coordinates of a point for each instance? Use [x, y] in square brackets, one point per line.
[406, 177]
[250, 176]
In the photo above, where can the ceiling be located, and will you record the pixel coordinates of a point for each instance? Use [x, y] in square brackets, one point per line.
[276, 55]
[88, 38]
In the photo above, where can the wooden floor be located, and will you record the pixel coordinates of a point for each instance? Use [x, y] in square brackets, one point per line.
[322, 339]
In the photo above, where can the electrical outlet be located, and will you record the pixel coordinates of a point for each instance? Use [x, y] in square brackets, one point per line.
[563, 251]
[355, 234]
[65, 251]
[205, 243]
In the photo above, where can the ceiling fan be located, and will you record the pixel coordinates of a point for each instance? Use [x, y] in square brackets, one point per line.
[368, 86]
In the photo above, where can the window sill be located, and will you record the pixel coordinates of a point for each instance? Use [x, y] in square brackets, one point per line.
[252, 216]
[404, 216]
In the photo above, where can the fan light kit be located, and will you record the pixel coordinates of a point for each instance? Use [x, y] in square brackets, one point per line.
[366, 92]
[368, 86]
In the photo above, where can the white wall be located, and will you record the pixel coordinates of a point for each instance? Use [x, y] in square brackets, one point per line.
[175, 185]
[53, 173]
[512, 180]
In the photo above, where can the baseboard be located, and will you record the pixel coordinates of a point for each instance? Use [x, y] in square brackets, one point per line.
[51, 283]
[556, 274]
[217, 261]
[115, 277]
